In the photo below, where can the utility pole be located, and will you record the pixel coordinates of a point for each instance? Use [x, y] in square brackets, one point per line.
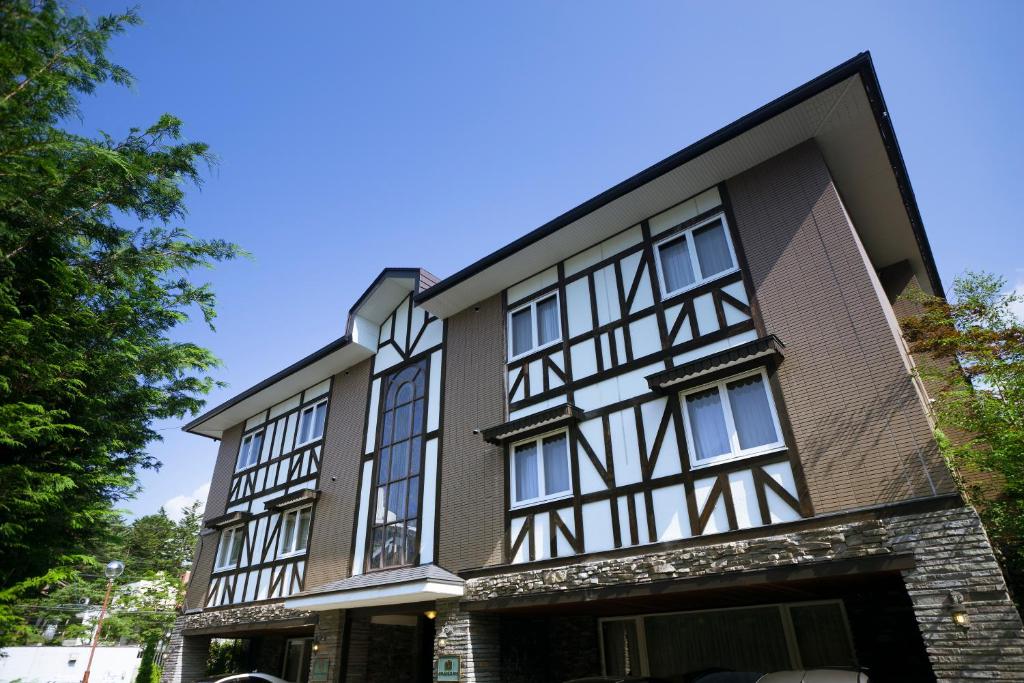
[111, 571]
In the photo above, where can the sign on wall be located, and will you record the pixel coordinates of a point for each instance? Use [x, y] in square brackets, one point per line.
[319, 669]
[448, 668]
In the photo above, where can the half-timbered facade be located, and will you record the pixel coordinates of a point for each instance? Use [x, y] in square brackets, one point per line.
[675, 429]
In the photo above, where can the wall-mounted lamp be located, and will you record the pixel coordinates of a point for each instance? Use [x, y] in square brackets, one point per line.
[430, 614]
[316, 644]
[442, 639]
[957, 610]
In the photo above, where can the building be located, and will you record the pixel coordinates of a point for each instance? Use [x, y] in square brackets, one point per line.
[675, 428]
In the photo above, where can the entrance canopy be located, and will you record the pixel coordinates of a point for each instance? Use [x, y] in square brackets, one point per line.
[390, 587]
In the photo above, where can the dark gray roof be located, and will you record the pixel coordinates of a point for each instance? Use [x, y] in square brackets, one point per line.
[387, 577]
[673, 377]
[551, 417]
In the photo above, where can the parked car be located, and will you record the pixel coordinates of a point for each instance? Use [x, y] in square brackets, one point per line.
[618, 679]
[816, 676]
[254, 677]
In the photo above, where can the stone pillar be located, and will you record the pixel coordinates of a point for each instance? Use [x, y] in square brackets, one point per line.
[185, 660]
[474, 637]
[357, 648]
[953, 561]
[328, 639]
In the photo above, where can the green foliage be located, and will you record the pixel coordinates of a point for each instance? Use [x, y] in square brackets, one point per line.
[149, 672]
[95, 276]
[143, 601]
[226, 657]
[977, 344]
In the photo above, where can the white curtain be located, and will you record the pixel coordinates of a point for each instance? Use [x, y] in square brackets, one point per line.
[712, 249]
[318, 421]
[526, 472]
[707, 422]
[522, 336]
[556, 465]
[675, 264]
[547, 320]
[751, 413]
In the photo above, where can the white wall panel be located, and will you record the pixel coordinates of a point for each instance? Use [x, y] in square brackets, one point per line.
[515, 526]
[371, 422]
[597, 527]
[386, 357]
[737, 291]
[670, 518]
[432, 336]
[429, 503]
[582, 260]
[668, 459]
[541, 538]
[707, 200]
[520, 392]
[780, 511]
[537, 407]
[536, 370]
[607, 296]
[625, 450]
[744, 499]
[317, 391]
[584, 359]
[533, 284]
[707, 319]
[385, 330]
[255, 420]
[644, 297]
[577, 304]
[562, 545]
[434, 397]
[719, 520]
[670, 218]
[284, 406]
[645, 336]
[361, 512]
[733, 315]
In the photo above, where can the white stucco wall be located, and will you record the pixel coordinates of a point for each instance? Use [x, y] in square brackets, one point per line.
[67, 664]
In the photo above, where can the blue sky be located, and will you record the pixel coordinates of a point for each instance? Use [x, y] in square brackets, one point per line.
[353, 136]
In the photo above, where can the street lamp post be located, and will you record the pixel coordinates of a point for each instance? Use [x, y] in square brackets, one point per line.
[113, 570]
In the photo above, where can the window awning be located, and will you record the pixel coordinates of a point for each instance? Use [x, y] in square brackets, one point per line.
[531, 424]
[389, 587]
[696, 370]
[293, 499]
[230, 519]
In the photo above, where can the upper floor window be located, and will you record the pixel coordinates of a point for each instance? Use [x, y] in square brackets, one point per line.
[695, 256]
[540, 469]
[534, 326]
[311, 422]
[394, 532]
[294, 531]
[249, 453]
[730, 419]
[230, 550]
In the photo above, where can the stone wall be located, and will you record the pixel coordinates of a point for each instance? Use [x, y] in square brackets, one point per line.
[475, 638]
[329, 641]
[952, 560]
[185, 661]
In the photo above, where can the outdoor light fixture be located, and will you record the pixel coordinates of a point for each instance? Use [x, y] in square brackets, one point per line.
[113, 570]
[957, 611]
[442, 640]
[430, 614]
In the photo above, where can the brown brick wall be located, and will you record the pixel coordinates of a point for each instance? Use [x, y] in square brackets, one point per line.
[861, 431]
[216, 503]
[330, 544]
[472, 501]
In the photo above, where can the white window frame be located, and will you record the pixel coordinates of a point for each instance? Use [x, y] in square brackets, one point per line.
[224, 547]
[534, 327]
[736, 453]
[539, 442]
[246, 440]
[294, 540]
[700, 279]
[311, 408]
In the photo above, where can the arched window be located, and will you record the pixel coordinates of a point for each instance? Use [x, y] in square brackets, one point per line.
[394, 529]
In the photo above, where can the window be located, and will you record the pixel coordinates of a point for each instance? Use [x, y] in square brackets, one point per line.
[534, 326]
[734, 418]
[294, 531]
[230, 550]
[311, 423]
[540, 469]
[249, 453]
[695, 256]
[394, 537]
[761, 638]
